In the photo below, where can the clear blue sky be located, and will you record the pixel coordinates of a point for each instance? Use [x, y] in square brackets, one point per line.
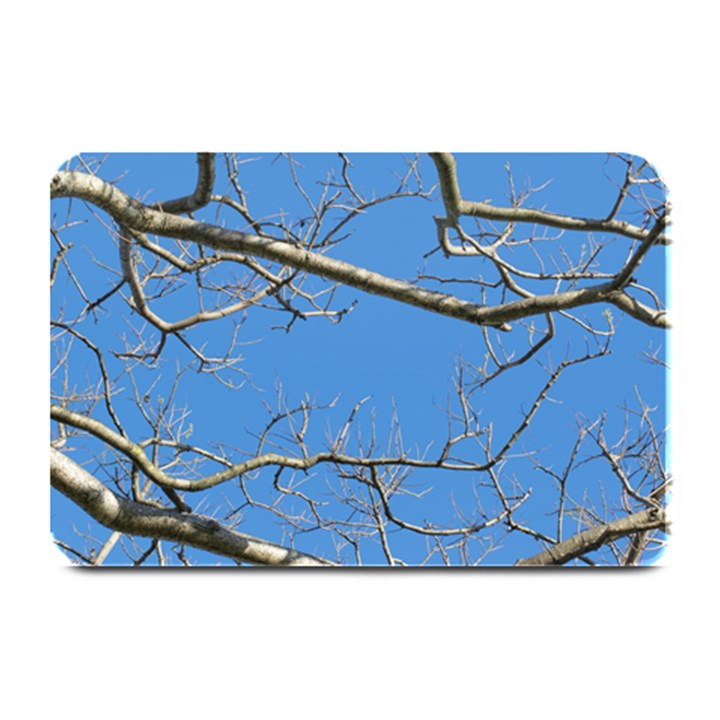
[399, 356]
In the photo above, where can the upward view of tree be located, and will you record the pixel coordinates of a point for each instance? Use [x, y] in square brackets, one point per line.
[358, 360]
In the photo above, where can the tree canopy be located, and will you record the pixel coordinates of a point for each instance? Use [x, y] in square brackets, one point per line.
[340, 359]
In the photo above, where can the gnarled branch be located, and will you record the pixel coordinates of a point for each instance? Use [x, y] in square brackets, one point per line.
[131, 213]
[123, 515]
[595, 537]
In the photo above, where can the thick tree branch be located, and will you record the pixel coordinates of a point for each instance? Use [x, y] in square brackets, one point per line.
[133, 214]
[593, 538]
[455, 206]
[633, 307]
[123, 515]
[203, 190]
[141, 305]
[353, 489]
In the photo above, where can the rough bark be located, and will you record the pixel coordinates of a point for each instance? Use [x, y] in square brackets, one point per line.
[123, 515]
[131, 213]
[593, 538]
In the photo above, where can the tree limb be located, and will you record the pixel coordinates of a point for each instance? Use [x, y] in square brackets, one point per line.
[595, 537]
[137, 455]
[123, 515]
[203, 190]
[456, 206]
[131, 213]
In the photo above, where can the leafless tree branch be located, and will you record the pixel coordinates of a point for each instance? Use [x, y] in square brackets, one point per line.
[126, 516]
[364, 490]
[593, 538]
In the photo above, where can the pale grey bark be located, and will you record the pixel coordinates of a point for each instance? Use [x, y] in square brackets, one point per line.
[595, 537]
[456, 205]
[135, 222]
[168, 483]
[612, 291]
[131, 213]
[123, 515]
[203, 190]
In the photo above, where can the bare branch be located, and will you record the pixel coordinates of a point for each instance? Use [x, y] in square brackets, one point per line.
[353, 486]
[203, 190]
[593, 538]
[126, 516]
[455, 206]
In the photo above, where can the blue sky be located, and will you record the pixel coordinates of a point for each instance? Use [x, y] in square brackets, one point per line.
[401, 358]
